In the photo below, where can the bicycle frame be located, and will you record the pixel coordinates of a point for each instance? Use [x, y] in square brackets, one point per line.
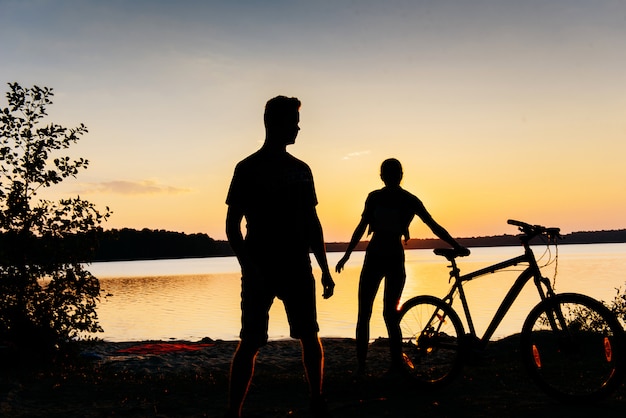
[531, 272]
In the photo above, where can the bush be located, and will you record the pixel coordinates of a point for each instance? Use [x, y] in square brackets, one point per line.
[47, 298]
[618, 305]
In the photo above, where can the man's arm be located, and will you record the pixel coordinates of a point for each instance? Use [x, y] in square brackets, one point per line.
[319, 251]
[234, 216]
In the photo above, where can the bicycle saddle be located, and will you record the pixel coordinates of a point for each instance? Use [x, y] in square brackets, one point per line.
[450, 253]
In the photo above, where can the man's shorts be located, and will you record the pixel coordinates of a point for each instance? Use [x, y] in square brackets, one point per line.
[295, 287]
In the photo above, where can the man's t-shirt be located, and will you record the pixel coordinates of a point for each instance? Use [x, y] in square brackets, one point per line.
[276, 194]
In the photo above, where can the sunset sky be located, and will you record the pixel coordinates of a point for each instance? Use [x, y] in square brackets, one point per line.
[497, 109]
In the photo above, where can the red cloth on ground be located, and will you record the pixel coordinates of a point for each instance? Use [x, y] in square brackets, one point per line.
[162, 348]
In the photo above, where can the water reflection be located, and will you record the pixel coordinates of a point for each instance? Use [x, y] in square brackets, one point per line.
[163, 307]
[192, 299]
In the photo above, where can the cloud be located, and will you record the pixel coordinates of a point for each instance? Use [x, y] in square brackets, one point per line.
[124, 187]
[355, 154]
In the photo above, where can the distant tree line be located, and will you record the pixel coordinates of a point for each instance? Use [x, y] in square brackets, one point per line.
[584, 237]
[148, 244]
[145, 244]
[596, 237]
[131, 244]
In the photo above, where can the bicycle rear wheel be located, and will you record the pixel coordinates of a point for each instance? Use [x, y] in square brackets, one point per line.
[572, 345]
[432, 336]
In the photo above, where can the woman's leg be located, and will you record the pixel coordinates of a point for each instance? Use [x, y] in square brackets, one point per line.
[394, 284]
[368, 287]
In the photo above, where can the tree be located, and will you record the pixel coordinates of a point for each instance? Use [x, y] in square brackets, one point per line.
[47, 297]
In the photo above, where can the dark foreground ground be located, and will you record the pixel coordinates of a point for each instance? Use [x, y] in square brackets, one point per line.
[103, 383]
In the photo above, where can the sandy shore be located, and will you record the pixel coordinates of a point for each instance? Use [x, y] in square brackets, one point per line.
[123, 379]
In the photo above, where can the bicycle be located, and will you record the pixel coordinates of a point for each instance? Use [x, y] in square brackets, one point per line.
[571, 344]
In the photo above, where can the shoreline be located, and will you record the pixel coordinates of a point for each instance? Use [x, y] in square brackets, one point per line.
[103, 381]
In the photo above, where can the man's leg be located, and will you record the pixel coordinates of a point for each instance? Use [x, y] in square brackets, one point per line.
[313, 359]
[241, 371]
[256, 302]
[301, 312]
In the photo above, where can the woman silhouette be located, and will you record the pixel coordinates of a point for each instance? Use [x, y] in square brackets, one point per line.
[388, 213]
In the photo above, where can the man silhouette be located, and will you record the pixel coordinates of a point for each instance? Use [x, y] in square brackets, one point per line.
[274, 191]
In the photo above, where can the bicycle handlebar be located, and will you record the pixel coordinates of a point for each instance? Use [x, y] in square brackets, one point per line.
[529, 231]
[534, 230]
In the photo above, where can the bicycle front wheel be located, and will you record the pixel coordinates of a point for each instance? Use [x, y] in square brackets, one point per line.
[432, 336]
[572, 345]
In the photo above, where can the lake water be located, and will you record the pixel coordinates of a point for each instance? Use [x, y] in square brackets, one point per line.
[191, 299]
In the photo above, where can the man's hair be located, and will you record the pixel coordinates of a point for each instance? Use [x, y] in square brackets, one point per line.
[391, 171]
[279, 109]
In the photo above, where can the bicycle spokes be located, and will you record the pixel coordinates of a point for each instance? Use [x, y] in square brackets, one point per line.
[431, 340]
